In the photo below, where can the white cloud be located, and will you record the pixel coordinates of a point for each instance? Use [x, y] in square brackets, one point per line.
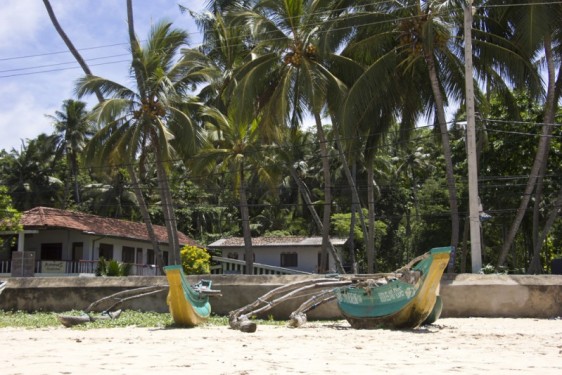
[37, 73]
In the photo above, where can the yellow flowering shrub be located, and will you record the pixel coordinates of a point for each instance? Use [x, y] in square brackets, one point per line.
[195, 260]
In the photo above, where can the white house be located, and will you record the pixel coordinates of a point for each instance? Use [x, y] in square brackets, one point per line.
[298, 253]
[67, 242]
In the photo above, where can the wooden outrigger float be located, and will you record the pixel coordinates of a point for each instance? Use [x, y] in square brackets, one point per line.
[106, 305]
[402, 299]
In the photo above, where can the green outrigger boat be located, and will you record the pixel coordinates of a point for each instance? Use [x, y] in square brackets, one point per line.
[405, 301]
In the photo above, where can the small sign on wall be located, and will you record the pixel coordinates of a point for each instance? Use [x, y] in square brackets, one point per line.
[52, 266]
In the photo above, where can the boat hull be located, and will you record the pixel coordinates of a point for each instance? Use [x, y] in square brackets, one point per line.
[397, 304]
[187, 307]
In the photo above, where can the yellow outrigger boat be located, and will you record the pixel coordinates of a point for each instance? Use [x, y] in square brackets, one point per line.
[189, 305]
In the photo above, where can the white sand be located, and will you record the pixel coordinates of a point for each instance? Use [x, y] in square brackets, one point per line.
[467, 346]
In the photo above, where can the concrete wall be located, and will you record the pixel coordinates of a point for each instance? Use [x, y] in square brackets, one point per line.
[463, 295]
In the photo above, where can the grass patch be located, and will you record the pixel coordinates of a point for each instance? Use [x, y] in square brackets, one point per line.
[39, 319]
[128, 318]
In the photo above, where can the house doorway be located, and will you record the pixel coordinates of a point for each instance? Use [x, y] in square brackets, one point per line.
[77, 251]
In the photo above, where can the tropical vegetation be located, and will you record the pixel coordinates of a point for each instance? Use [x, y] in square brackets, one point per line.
[326, 118]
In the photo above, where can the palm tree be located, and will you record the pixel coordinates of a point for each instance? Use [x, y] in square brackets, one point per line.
[289, 74]
[414, 40]
[416, 47]
[30, 175]
[222, 51]
[111, 197]
[235, 148]
[72, 130]
[138, 121]
[536, 28]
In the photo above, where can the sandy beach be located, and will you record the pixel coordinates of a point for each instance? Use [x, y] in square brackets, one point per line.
[466, 345]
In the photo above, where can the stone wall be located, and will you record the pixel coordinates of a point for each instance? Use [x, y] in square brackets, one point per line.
[464, 295]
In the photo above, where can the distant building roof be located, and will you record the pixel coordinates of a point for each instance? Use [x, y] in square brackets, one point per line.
[276, 241]
[51, 218]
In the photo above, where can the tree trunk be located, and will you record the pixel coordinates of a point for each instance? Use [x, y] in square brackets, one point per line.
[350, 179]
[69, 44]
[542, 152]
[74, 166]
[146, 218]
[323, 143]
[371, 252]
[445, 142]
[167, 207]
[303, 190]
[535, 266]
[245, 215]
[142, 203]
[355, 205]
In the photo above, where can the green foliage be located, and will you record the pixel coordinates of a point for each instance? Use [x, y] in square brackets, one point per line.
[340, 226]
[112, 268]
[195, 260]
[9, 216]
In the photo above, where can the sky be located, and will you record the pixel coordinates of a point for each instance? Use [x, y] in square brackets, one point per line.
[37, 73]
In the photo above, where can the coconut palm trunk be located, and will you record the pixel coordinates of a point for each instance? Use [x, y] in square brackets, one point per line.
[168, 210]
[172, 236]
[371, 251]
[446, 144]
[350, 180]
[146, 218]
[327, 193]
[305, 193]
[69, 44]
[541, 155]
[245, 216]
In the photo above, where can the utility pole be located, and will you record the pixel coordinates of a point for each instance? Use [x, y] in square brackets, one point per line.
[473, 199]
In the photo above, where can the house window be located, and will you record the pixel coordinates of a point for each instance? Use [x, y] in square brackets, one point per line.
[51, 251]
[149, 256]
[165, 257]
[77, 251]
[128, 254]
[289, 260]
[232, 256]
[106, 251]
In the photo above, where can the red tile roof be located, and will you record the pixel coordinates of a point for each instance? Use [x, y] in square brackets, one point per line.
[45, 217]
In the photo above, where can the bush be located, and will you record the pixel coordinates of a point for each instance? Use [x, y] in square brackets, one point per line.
[195, 260]
[112, 268]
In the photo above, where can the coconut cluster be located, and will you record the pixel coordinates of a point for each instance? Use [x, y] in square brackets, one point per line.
[295, 55]
[411, 35]
[151, 108]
